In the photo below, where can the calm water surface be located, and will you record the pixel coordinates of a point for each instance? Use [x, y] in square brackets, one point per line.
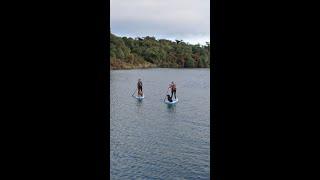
[152, 140]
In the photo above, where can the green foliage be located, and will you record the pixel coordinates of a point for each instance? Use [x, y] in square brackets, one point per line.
[189, 63]
[160, 53]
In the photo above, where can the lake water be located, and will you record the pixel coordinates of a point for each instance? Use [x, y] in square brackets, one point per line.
[152, 140]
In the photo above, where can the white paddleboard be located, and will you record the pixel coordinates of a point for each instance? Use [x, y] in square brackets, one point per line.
[174, 101]
[139, 97]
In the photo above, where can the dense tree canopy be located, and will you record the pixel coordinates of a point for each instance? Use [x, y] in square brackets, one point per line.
[149, 52]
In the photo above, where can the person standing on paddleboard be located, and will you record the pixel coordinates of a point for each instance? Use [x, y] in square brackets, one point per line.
[173, 88]
[139, 85]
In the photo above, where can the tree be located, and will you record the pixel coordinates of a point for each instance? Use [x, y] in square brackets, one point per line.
[120, 54]
[164, 53]
[189, 62]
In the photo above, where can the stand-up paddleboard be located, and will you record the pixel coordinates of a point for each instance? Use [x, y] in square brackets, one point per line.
[139, 97]
[174, 101]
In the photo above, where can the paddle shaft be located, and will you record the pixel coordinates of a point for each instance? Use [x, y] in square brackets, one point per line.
[165, 96]
[134, 92]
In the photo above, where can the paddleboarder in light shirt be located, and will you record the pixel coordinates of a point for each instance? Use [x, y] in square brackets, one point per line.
[173, 88]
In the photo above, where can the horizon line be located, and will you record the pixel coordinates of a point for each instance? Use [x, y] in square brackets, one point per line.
[169, 39]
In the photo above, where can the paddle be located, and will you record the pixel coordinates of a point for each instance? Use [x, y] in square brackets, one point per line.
[134, 92]
[165, 97]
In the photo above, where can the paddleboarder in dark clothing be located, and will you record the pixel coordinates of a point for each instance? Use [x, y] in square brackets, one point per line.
[173, 88]
[139, 85]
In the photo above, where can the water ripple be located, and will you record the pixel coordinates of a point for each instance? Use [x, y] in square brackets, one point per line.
[150, 140]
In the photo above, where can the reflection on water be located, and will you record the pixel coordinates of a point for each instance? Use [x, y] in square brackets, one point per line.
[139, 105]
[139, 102]
[171, 108]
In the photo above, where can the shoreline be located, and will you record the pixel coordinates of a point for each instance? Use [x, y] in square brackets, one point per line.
[133, 67]
[146, 65]
[114, 69]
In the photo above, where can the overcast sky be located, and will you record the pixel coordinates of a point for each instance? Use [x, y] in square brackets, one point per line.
[188, 20]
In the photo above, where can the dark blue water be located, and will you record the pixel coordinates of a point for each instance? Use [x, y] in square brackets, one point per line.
[152, 140]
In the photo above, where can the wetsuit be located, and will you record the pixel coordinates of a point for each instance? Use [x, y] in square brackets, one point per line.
[140, 87]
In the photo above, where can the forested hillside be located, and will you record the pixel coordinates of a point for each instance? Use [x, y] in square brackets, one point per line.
[127, 53]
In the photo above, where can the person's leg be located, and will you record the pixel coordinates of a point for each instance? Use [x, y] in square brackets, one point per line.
[171, 93]
[175, 97]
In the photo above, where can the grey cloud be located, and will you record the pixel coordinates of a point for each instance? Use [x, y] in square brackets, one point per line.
[161, 18]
